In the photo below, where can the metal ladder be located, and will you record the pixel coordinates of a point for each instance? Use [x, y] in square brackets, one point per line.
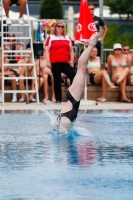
[23, 34]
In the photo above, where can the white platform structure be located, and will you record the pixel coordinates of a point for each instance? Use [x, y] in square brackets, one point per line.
[23, 35]
[85, 101]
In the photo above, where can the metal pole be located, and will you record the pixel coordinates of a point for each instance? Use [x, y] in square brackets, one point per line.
[101, 15]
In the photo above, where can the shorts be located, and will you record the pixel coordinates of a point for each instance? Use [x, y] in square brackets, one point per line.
[15, 72]
[14, 2]
[91, 75]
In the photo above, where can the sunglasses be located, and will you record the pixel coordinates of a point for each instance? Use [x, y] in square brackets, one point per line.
[91, 8]
[60, 26]
[126, 49]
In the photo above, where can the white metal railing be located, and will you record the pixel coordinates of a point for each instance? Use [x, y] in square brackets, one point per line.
[22, 32]
[106, 53]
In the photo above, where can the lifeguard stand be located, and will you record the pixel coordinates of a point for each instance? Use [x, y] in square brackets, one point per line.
[23, 35]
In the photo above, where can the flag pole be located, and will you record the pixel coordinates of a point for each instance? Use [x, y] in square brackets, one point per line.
[85, 101]
[85, 28]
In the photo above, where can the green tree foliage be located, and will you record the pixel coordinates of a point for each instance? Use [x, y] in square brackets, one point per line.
[51, 9]
[114, 36]
[120, 7]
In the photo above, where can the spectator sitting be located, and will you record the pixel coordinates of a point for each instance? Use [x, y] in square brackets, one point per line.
[26, 71]
[131, 53]
[7, 73]
[12, 44]
[8, 3]
[125, 51]
[118, 65]
[97, 75]
[44, 72]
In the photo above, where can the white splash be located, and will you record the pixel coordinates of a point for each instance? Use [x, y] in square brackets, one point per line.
[81, 131]
[73, 128]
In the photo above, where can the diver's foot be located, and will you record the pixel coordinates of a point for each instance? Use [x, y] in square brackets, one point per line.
[94, 38]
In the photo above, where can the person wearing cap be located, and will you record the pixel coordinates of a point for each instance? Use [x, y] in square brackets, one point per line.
[99, 23]
[60, 55]
[118, 65]
[125, 51]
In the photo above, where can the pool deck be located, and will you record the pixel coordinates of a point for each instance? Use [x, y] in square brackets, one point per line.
[84, 106]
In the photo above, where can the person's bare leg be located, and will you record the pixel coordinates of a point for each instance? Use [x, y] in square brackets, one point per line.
[107, 79]
[45, 87]
[68, 82]
[21, 87]
[40, 83]
[31, 74]
[104, 90]
[52, 88]
[6, 5]
[103, 73]
[0, 83]
[14, 87]
[123, 75]
[77, 87]
[0, 89]
[21, 82]
[123, 89]
[22, 4]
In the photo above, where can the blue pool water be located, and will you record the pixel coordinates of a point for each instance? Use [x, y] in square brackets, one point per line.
[93, 162]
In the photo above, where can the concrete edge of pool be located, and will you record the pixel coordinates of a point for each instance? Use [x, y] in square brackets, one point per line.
[35, 106]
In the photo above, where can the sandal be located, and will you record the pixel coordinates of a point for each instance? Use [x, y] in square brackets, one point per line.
[45, 102]
[32, 100]
[102, 100]
[21, 100]
[52, 102]
[126, 101]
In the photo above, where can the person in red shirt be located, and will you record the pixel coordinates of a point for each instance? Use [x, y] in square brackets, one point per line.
[60, 55]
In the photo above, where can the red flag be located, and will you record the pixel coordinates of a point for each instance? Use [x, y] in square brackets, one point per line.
[86, 25]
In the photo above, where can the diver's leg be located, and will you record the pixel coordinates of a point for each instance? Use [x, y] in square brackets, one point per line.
[77, 87]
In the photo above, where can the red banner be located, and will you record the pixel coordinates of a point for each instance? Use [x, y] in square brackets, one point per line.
[86, 25]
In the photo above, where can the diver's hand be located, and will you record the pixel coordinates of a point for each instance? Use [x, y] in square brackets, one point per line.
[71, 63]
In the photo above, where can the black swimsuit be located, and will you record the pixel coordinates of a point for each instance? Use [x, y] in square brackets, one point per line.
[72, 114]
